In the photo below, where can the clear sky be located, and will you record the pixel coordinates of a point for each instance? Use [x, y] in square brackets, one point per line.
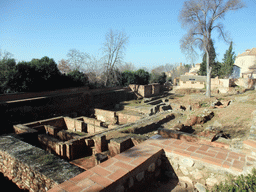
[33, 29]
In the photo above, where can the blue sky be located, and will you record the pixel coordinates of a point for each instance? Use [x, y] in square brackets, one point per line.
[33, 29]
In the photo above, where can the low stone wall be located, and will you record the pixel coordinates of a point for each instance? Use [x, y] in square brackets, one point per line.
[53, 124]
[94, 128]
[191, 85]
[56, 122]
[34, 109]
[149, 125]
[106, 116]
[146, 90]
[74, 124]
[19, 96]
[127, 118]
[220, 83]
[119, 145]
[89, 120]
[32, 168]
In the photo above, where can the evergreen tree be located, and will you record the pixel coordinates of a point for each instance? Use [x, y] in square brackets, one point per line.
[228, 61]
[216, 66]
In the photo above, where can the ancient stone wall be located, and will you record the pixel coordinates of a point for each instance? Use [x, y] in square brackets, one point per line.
[191, 85]
[32, 168]
[106, 116]
[156, 88]
[20, 96]
[74, 124]
[127, 118]
[132, 170]
[94, 128]
[146, 90]
[33, 109]
[220, 83]
[91, 121]
[119, 145]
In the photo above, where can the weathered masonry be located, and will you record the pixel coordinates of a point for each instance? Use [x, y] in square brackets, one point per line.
[32, 168]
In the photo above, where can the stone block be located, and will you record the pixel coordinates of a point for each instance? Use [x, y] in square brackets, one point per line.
[140, 176]
[184, 170]
[20, 129]
[200, 187]
[187, 162]
[130, 182]
[152, 167]
[100, 143]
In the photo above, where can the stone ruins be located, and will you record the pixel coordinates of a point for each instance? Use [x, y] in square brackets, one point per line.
[112, 140]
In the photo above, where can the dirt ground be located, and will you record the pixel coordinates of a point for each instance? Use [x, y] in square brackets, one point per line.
[234, 119]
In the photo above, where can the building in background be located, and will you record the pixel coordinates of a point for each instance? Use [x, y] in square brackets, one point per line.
[194, 70]
[245, 64]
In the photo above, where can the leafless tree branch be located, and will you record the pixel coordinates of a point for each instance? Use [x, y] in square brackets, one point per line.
[199, 16]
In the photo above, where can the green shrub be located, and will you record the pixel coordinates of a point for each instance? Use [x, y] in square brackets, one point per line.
[240, 184]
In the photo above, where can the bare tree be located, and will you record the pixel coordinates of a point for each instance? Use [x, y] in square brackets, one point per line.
[64, 66]
[127, 66]
[200, 17]
[78, 60]
[114, 51]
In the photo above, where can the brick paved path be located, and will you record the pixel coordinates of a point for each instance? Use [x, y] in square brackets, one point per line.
[105, 174]
[213, 155]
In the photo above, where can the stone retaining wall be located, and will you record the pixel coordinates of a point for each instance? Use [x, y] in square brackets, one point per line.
[32, 168]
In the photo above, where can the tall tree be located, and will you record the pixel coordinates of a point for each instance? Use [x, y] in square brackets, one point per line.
[215, 65]
[212, 56]
[200, 17]
[228, 61]
[7, 66]
[114, 51]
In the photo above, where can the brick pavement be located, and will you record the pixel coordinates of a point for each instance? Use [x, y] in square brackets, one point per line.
[106, 173]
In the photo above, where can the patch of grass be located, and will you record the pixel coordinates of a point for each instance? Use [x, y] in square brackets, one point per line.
[126, 129]
[241, 183]
[80, 133]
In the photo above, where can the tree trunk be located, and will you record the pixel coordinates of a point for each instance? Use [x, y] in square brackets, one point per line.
[208, 77]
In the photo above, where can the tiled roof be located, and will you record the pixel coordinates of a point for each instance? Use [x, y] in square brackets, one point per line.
[248, 52]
